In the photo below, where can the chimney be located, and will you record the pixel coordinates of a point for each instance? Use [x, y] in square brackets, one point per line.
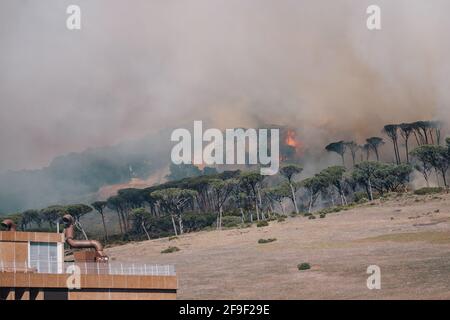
[9, 225]
[69, 222]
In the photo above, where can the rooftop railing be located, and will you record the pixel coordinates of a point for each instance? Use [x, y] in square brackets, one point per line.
[111, 268]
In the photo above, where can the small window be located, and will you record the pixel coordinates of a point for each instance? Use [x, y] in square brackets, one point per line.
[44, 257]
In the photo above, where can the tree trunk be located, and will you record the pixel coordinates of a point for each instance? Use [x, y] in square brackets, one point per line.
[398, 153]
[426, 135]
[219, 218]
[120, 222]
[438, 137]
[437, 177]
[310, 203]
[444, 178]
[174, 225]
[242, 215]
[127, 221]
[343, 202]
[104, 226]
[124, 222]
[260, 203]
[293, 197]
[145, 230]
[370, 190]
[270, 211]
[80, 227]
[257, 209]
[395, 152]
[407, 150]
[217, 221]
[180, 223]
[259, 198]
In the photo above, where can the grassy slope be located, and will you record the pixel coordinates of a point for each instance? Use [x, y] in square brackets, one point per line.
[408, 237]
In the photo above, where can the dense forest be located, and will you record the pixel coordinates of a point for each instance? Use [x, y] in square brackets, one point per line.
[195, 199]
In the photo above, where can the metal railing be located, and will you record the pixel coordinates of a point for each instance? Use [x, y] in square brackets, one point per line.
[111, 268]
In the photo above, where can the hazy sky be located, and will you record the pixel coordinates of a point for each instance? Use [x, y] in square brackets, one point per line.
[137, 66]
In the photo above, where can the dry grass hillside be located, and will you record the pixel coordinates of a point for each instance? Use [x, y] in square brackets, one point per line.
[408, 237]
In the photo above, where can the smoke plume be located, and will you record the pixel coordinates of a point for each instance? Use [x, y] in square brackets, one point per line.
[137, 67]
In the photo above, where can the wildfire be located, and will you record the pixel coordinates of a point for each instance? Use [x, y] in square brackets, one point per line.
[291, 139]
[293, 146]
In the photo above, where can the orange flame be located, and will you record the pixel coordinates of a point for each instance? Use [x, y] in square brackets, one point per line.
[291, 140]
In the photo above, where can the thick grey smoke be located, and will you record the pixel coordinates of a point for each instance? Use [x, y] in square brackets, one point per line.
[143, 65]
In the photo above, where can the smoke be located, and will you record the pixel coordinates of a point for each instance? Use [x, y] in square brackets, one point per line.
[138, 67]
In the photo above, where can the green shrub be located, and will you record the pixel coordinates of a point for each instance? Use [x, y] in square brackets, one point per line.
[194, 221]
[349, 206]
[262, 223]
[281, 219]
[173, 238]
[170, 250]
[323, 215]
[332, 210]
[359, 196]
[244, 225]
[261, 241]
[428, 190]
[304, 266]
[231, 221]
[157, 227]
[311, 217]
[362, 201]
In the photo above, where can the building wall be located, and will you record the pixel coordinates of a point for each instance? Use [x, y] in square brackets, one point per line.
[19, 236]
[11, 252]
[86, 294]
[121, 295]
[93, 287]
[14, 246]
[23, 283]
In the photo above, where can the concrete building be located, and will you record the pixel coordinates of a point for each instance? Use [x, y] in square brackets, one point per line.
[32, 267]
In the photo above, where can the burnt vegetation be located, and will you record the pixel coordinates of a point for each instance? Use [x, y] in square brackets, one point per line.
[207, 199]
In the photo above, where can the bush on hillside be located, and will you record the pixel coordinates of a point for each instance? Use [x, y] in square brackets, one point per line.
[428, 190]
[262, 241]
[262, 223]
[304, 266]
[170, 250]
[231, 221]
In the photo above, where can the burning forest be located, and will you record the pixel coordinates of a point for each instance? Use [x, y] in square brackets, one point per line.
[157, 119]
[292, 147]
